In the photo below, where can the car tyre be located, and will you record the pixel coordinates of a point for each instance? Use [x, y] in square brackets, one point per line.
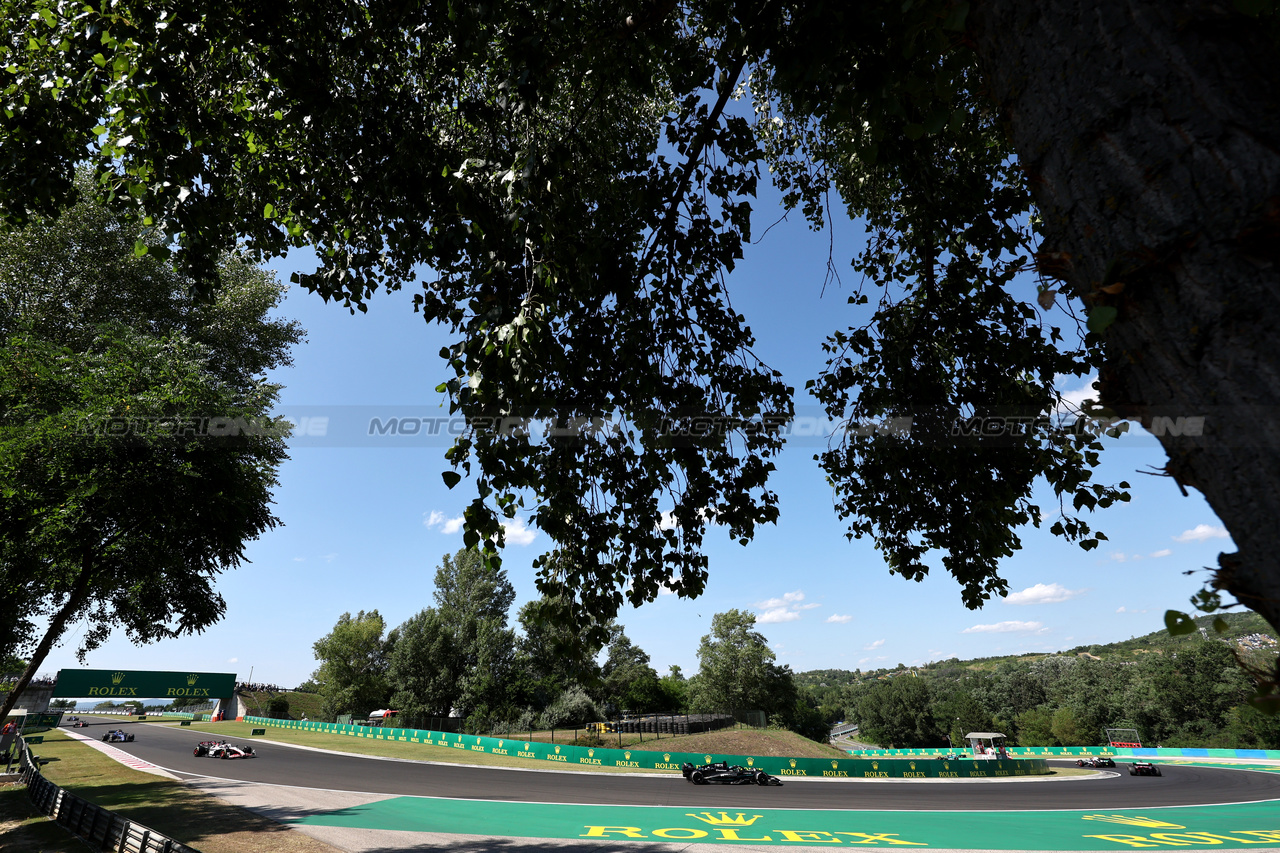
[696, 778]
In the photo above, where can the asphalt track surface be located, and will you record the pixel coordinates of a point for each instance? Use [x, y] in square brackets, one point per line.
[1182, 785]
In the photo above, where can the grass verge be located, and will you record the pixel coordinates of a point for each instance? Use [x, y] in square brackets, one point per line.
[204, 822]
[399, 749]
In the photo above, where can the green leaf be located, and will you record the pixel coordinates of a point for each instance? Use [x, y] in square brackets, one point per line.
[1179, 623]
[139, 248]
[1101, 317]
[451, 478]
[269, 212]
[1220, 625]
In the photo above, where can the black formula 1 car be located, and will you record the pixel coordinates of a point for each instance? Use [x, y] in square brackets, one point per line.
[1144, 768]
[1095, 761]
[723, 773]
[118, 736]
[222, 749]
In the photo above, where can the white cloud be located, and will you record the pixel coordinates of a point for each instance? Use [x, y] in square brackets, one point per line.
[1128, 610]
[299, 559]
[1006, 628]
[877, 644]
[516, 532]
[784, 609]
[840, 620]
[1043, 594]
[329, 558]
[787, 600]
[1073, 400]
[1120, 609]
[1118, 556]
[1163, 552]
[233, 660]
[777, 614]
[448, 526]
[1201, 533]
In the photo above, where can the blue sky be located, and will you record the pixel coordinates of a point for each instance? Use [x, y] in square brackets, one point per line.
[365, 526]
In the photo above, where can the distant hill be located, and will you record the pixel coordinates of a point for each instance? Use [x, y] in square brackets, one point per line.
[1248, 631]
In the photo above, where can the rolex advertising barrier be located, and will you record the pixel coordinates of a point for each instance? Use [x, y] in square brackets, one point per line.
[852, 768]
[1076, 751]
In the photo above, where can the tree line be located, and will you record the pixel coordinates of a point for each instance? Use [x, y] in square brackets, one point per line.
[1195, 697]
[461, 658]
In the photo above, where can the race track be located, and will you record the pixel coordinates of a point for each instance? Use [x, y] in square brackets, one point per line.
[1182, 785]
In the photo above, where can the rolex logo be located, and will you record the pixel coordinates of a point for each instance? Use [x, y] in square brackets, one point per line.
[666, 756]
[557, 749]
[724, 819]
[875, 765]
[835, 764]
[499, 744]
[913, 764]
[526, 747]
[792, 762]
[627, 756]
[117, 677]
[751, 762]
[707, 758]
[591, 753]
[192, 679]
[1136, 820]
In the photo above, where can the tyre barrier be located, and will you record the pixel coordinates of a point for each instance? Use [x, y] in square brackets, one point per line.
[853, 768]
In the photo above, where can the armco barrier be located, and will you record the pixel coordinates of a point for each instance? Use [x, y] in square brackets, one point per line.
[104, 830]
[858, 768]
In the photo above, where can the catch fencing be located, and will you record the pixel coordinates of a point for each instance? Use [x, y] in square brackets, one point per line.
[100, 828]
[1076, 751]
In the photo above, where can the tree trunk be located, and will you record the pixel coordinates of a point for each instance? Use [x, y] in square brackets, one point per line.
[57, 625]
[1150, 134]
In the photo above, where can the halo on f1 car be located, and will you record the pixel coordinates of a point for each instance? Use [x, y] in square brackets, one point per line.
[724, 773]
[118, 736]
[223, 749]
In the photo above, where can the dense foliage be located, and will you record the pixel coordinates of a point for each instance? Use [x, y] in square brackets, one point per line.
[578, 178]
[1192, 696]
[460, 659]
[137, 448]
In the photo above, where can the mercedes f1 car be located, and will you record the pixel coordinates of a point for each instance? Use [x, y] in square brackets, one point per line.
[723, 773]
[118, 736]
[1143, 768]
[222, 749]
[1095, 761]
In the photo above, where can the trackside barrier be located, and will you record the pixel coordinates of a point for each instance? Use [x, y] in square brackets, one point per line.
[646, 759]
[1058, 751]
[101, 828]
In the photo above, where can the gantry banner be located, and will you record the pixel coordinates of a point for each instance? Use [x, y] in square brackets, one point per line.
[127, 684]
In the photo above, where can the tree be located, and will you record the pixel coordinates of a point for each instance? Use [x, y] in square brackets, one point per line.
[578, 179]
[353, 665]
[137, 450]
[737, 670]
[630, 683]
[898, 713]
[458, 655]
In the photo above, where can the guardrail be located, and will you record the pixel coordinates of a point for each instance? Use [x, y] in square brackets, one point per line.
[94, 824]
[652, 760]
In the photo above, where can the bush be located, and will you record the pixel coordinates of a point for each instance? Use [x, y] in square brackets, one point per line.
[572, 708]
[278, 708]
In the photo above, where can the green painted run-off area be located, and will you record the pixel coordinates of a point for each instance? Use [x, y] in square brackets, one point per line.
[1250, 825]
